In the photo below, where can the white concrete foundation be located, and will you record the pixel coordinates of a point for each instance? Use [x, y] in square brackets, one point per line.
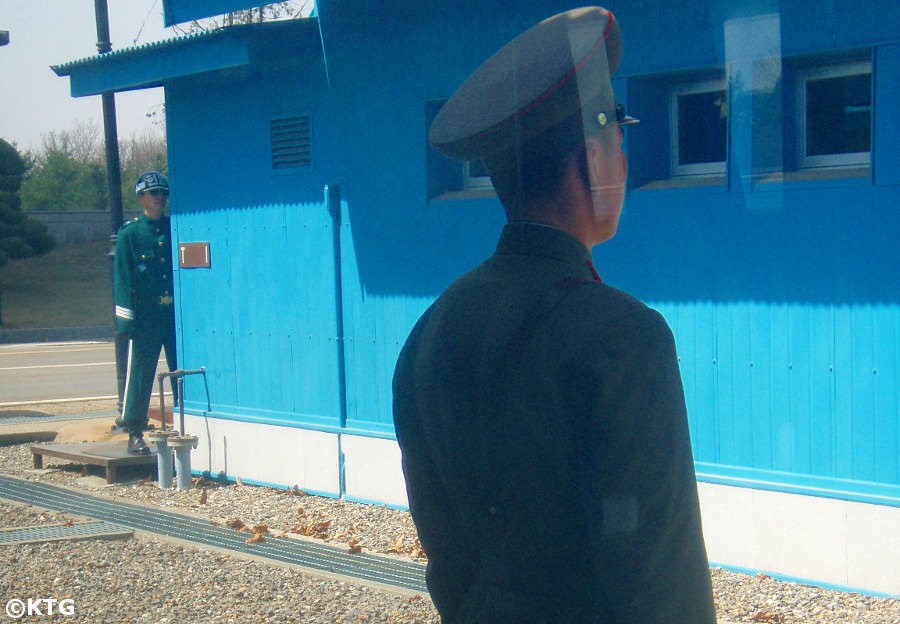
[372, 471]
[823, 540]
[282, 456]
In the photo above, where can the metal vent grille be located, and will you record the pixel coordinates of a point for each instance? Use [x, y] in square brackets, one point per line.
[291, 142]
[92, 529]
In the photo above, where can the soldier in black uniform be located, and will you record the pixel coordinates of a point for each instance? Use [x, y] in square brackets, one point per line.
[143, 291]
[540, 412]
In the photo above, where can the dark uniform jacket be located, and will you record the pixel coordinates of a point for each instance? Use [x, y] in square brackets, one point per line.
[142, 275]
[545, 446]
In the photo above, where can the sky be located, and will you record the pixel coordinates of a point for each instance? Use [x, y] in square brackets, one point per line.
[34, 100]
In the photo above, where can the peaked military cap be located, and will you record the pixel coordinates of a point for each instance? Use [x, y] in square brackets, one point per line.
[555, 69]
[150, 180]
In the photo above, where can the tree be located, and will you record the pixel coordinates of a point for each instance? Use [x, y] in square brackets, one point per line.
[140, 153]
[20, 237]
[69, 171]
[268, 13]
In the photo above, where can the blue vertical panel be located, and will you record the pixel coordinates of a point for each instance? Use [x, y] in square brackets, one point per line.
[843, 391]
[800, 379]
[311, 322]
[207, 339]
[822, 390]
[705, 416]
[863, 387]
[780, 407]
[759, 329]
[257, 238]
[844, 251]
[886, 374]
[726, 453]
[694, 332]
[742, 374]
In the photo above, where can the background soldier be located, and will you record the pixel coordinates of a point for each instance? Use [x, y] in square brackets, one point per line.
[143, 291]
[539, 412]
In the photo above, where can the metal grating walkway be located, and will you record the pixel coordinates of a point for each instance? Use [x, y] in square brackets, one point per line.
[44, 418]
[323, 557]
[92, 529]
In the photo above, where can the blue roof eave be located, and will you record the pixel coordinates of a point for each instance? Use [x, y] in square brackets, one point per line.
[181, 11]
[152, 64]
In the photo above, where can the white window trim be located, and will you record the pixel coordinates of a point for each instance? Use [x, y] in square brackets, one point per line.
[850, 159]
[688, 88]
[475, 182]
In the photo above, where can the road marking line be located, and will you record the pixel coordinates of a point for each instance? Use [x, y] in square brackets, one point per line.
[94, 344]
[43, 401]
[16, 368]
[54, 351]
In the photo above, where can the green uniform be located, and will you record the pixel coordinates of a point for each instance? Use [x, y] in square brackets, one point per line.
[145, 311]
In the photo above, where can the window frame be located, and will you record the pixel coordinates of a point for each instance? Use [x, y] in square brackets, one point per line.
[830, 70]
[475, 182]
[690, 87]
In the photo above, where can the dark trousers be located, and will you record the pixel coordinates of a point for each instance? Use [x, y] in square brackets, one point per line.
[143, 355]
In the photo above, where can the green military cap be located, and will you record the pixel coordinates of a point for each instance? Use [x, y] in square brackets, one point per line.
[541, 79]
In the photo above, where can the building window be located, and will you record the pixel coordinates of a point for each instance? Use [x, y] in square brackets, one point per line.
[835, 106]
[699, 114]
[476, 176]
[291, 142]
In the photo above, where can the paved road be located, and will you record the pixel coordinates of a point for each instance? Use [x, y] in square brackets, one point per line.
[65, 370]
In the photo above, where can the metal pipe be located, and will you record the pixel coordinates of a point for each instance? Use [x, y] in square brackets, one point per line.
[183, 446]
[180, 402]
[164, 468]
[162, 401]
[333, 204]
[178, 374]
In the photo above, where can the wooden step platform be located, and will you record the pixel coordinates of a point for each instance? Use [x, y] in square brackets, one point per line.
[110, 455]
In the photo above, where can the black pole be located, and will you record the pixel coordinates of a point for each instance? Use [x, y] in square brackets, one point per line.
[114, 180]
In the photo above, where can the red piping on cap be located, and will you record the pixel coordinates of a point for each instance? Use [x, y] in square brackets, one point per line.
[569, 76]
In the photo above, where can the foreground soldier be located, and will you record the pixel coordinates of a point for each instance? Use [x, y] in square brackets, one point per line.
[539, 412]
[142, 285]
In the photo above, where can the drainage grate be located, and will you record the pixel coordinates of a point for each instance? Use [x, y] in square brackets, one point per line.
[93, 529]
[323, 557]
[42, 418]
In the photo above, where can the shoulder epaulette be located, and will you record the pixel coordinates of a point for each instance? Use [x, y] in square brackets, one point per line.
[129, 222]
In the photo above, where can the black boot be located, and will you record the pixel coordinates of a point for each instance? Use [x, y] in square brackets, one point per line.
[136, 444]
[121, 424]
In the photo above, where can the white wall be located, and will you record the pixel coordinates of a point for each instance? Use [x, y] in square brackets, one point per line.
[824, 540]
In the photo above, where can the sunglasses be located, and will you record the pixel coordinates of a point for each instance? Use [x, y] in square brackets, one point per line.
[158, 192]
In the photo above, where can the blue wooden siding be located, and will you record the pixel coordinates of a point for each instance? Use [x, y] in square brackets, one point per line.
[784, 297]
[787, 328]
[262, 319]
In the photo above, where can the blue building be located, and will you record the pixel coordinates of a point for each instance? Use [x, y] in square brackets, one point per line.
[761, 219]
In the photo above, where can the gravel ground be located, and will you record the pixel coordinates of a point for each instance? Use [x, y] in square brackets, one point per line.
[142, 579]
